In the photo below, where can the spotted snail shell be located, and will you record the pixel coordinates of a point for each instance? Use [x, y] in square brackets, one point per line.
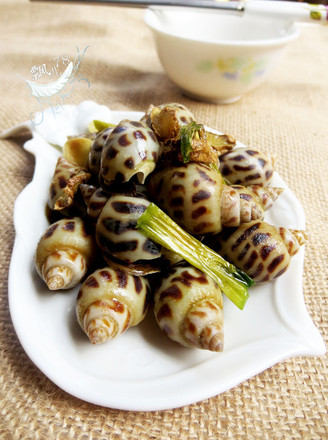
[194, 196]
[65, 183]
[261, 250]
[130, 150]
[116, 232]
[246, 166]
[190, 193]
[64, 253]
[188, 307]
[109, 302]
[96, 150]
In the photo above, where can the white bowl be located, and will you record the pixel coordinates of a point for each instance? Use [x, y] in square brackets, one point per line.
[217, 57]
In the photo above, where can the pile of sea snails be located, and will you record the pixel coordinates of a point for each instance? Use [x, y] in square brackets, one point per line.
[213, 189]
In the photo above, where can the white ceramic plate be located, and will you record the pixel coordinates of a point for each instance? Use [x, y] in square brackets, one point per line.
[143, 370]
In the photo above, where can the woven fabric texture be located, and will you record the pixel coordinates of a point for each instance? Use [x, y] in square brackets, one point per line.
[285, 116]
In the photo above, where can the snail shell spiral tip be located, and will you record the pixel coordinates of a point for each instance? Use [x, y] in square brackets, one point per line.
[212, 338]
[301, 236]
[58, 277]
[100, 331]
[203, 326]
[292, 238]
[105, 320]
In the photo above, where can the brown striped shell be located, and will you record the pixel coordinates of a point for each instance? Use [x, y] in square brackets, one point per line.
[64, 253]
[65, 183]
[96, 150]
[190, 194]
[131, 149]
[109, 302]
[188, 307]
[261, 250]
[116, 232]
[246, 166]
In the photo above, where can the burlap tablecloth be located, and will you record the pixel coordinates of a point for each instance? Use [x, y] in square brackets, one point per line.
[286, 116]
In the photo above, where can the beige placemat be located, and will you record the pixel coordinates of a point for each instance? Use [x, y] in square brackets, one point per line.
[286, 116]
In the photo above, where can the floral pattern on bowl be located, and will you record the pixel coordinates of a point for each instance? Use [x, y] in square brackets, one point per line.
[235, 69]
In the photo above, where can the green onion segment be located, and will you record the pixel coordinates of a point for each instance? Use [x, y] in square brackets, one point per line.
[187, 133]
[159, 227]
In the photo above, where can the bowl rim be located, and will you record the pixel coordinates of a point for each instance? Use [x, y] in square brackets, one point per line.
[150, 13]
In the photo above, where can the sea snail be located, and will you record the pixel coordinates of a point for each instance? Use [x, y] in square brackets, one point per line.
[65, 183]
[116, 232]
[188, 307]
[259, 249]
[246, 166]
[64, 253]
[195, 196]
[190, 194]
[96, 150]
[130, 150]
[109, 302]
